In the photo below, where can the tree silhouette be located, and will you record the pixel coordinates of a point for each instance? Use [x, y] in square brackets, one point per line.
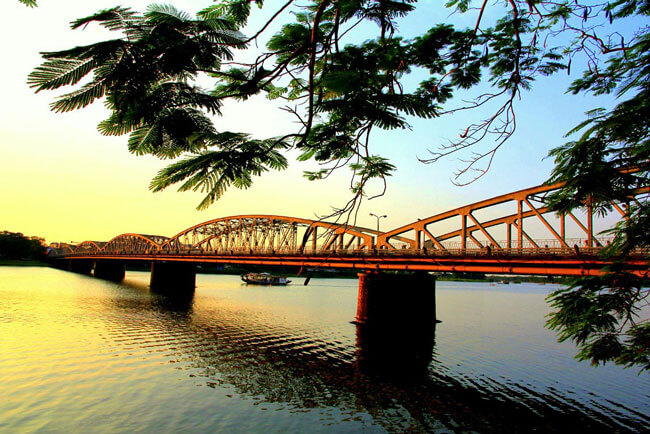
[145, 78]
[14, 245]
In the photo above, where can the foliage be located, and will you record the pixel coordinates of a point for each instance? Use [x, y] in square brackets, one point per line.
[214, 171]
[14, 245]
[608, 163]
[339, 93]
[30, 3]
[145, 79]
[599, 314]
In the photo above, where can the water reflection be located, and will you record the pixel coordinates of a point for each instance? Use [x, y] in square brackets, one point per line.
[136, 295]
[212, 360]
[179, 303]
[395, 351]
[390, 373]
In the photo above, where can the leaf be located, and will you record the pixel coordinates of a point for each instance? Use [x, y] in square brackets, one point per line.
[30, 3]
[80, 98]
[117, 18]
[60, 72]
[166, 14]
[115, 127]
[214, 171]
[144, 139]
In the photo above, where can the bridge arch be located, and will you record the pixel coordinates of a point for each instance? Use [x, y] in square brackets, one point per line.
[88, 247]
[60, 249]
[134, 243]
[269, 233]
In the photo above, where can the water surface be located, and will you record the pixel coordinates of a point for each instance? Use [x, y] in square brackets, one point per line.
[78, 353]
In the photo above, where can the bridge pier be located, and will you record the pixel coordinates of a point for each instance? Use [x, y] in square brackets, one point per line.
[81, 266]
[397, 299]
[110, 270]
[396, 318]
[172, 277]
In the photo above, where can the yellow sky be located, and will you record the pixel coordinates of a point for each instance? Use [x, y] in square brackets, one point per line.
[60, 179]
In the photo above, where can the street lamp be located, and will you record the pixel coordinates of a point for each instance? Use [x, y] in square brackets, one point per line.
[378, 217]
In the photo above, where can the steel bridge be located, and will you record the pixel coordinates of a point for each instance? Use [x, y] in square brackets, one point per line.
[514, 233]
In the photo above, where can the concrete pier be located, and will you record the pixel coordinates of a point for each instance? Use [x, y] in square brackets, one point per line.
[174, 278]
[396, 322]
[408, 299]
[81, 266]
[110, 270]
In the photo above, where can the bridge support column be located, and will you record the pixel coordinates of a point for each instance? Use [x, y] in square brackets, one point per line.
[408, 299]
[110, 270]
[81, 266]
[396, 322]
[172, 278]
[60, 263]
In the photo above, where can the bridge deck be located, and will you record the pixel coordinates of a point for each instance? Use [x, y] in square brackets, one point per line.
[554, 262]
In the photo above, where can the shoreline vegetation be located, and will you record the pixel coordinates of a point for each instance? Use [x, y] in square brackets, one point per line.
[353, 274]
[337, 274]
[17, 249]
[295, 272]
[23, 263]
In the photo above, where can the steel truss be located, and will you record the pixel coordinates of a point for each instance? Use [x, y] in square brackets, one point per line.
[264, 235]
[268, 233]
[471, 234]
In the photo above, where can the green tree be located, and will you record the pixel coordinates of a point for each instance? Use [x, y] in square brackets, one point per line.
[14, 245]
[145, 77]
[30, 3]
[342, 90]
[608, 163]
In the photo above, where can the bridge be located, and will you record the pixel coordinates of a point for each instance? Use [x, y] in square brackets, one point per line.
[467, 244]
[514, 233]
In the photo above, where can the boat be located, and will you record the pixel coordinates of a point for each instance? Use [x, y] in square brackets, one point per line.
[264, 279]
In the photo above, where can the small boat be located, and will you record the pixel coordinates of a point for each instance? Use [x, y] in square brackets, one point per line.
[264, 279]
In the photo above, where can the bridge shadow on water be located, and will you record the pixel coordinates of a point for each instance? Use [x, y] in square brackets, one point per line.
[140, 296]
[390, 374]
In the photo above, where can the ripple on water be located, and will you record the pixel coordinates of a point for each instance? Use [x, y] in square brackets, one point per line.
[79, 353]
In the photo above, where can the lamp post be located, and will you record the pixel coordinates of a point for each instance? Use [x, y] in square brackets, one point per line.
[378, 217]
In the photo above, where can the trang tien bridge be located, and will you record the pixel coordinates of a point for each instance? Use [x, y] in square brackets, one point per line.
[491, 236]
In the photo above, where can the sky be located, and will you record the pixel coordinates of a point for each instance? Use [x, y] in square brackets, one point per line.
[61, 180]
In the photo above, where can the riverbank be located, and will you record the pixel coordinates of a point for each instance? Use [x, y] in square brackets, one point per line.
[22, 263]
[235, 270]
[467, 277]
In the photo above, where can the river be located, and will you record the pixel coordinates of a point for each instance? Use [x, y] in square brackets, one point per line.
[82, 354]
